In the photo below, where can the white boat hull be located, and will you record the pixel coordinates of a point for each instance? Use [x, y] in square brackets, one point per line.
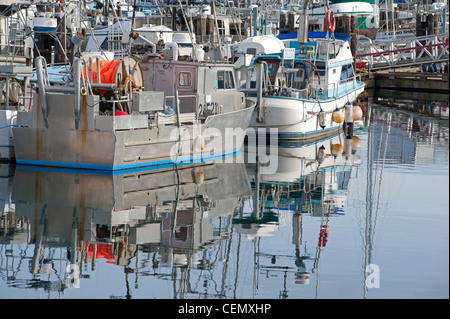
[295, 118]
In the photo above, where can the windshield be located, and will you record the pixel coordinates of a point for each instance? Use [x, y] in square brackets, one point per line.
[327, 50]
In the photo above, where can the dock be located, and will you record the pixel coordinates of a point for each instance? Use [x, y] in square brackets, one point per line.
[410, 89]
[408, 84]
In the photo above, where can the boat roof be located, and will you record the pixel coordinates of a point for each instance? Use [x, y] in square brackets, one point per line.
[263, 44]
[315, 35]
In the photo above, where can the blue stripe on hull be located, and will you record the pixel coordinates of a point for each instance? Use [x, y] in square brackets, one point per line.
[304, 135]
[161, 164]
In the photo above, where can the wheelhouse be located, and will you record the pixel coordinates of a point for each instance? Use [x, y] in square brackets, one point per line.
[202, 89]
[323, 67]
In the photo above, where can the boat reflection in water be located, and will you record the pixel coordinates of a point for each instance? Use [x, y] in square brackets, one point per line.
[173, 212]
[185, 226]
[311, 179]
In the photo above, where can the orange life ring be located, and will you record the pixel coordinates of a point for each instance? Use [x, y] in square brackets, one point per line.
[331, 26]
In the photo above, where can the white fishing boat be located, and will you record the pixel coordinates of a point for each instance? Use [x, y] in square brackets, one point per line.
[110, 122]
[305, 91]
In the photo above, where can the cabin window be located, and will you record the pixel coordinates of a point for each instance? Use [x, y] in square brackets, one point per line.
[184, 79]
[272, 69]
[322, 50]
[321, 68]
[225, 80]
[104, 44]
[314, 28]
[347, 72]
[334, 49]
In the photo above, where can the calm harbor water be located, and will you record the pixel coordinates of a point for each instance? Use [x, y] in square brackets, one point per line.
[360, 218]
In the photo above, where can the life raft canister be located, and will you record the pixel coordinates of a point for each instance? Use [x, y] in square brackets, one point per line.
[331, 21]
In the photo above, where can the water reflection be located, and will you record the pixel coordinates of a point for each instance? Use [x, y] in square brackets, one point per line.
[397, 141]
[212, 230]
[75, 218]
[401, 137]
[431, 108]
[310, 180]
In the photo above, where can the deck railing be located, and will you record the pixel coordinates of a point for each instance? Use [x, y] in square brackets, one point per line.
[313, 91]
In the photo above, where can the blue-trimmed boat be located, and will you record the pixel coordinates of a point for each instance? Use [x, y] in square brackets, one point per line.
[192, 113]
[305, 91]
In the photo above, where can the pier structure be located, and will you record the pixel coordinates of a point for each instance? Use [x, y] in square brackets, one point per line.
[406, 70]
[408, 88]
[411, 51]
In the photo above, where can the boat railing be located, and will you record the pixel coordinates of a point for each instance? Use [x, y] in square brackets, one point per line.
[405, 51]
[316, 91]
[277, 90]
[336, 89]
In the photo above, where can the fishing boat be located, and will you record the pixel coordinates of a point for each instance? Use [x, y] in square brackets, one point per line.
[307, 90]
[106, 119]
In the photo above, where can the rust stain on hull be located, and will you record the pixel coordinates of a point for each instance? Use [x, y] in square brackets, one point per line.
[38, 132]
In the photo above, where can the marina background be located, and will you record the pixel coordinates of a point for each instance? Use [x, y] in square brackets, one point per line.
[371, 196]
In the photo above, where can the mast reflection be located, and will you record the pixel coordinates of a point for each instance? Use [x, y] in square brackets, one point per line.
[310, 180]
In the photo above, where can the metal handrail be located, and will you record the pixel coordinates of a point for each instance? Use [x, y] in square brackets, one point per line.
[388, 54]
[335, 87]
[317, 89]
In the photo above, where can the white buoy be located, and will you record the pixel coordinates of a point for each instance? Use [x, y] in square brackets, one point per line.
[347, 150]
[348, 114]
[322, 118]
[199, 143]
[321, 154]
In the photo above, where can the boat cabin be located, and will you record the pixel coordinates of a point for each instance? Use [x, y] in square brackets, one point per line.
[323, 65]
[203, 89]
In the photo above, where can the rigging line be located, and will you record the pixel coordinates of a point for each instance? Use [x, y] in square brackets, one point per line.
[194, 54]
[96, 42]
